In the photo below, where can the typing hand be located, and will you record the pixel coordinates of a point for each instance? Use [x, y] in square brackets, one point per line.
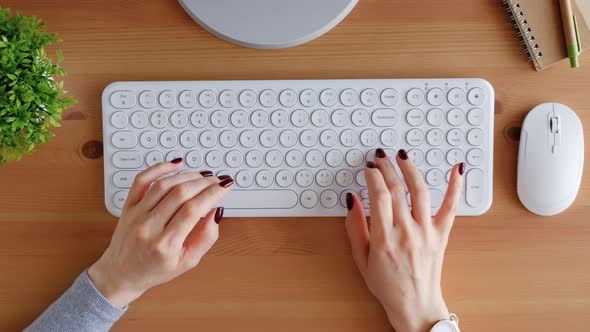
[401, 254]
[164, 231]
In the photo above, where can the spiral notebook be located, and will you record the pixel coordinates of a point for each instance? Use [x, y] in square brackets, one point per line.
[539, 26]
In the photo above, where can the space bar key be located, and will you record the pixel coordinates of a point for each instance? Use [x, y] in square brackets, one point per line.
[260, 199]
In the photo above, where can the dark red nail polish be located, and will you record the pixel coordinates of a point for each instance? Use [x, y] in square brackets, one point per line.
[371, 164]
[380, 153]
[206, 174]
[461, 168]
[226, 182]
[176, 161]
[402, 154]
[223, 177]
[349, 201]
[218, 214]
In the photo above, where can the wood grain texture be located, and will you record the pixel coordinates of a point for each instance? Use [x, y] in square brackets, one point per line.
[507, 270]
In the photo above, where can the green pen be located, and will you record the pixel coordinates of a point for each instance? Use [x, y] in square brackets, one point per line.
[570, 30]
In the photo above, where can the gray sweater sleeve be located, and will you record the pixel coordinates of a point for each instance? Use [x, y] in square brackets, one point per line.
[82, 308]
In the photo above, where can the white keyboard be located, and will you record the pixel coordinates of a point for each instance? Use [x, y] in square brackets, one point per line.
[295, 148]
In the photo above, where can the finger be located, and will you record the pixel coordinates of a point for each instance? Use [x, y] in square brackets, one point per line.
[162, 187]
[202, 238]
[448, 209]
[143, 180]
[419, 193]
[380, 201]
[401, 211]
[358, 232]
[189, 214]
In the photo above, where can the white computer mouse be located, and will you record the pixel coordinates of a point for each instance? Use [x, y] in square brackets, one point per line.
[550, 159]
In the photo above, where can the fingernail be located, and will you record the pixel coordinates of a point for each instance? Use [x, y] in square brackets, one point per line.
[380, 153]
[223, 177]
[226, 182]
[371, 164]
[218, 214]
[402, 154]
[349, 201]
[176, 161]
[206, 174]
[461, 168]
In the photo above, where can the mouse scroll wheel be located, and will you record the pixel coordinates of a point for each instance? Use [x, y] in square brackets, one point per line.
[553, 124]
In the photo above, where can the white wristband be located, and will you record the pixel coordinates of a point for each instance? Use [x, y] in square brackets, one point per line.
[447, 325]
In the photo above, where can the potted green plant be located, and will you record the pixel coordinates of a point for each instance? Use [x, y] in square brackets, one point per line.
[31, 99]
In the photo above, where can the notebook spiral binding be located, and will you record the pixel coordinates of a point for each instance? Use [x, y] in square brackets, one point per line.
[523, 31]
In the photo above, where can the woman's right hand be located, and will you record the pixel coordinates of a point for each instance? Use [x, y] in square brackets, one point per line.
[400, 255]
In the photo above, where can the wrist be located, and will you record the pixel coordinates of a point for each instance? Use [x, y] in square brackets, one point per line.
[419, 319]
[111, 286]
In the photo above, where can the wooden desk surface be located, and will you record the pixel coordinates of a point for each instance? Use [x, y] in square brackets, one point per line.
[507, 270]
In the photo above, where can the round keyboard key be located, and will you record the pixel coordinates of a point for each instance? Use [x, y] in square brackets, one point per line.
[259, 118]
[340, 118]
[214, 159]
[320, 118]
[474, 116]
[415, 137]
[167, 99]
[369, 137]
[436, 198]
[122, 99]
[435, 137]
[299, 118]
[147, 99]
[248, 98]
[308, 138]
[417, 156]
[119, 120]
[475, 157]
[415, 97]
[239, 119]
[264, 178]
[415, 117]
[194, 159]
[455, 117]
[435, 97]
[435, 177]
[384, 117]
[207, 98]
[268, 98]
[294, 158]
[248, 138]
[124, 179]
[284, 178]
[188, 139]
[389, 97]
[153, 157]
[328, 97]
[268, 138]
[187, 98]
[304, 178]
[314, 158]
[139, 120]
[455, 137]
[360, 178]
[279, 118]
[173, 155]
[348, 138]
[364, 193]
[119, 199]
[476, 96]
[208, 139]
[324, 178]
[360, 118]
[199, 119]
[159, 119]
[475, 137]
[274, 158]
[328, 199]
[475, 186]
[435, 117]
[148, 139]
[456, 96]
[227, 98]
[254, 158]
[369, 97]
[244, 179]
[343, 197]
[309, 199]
[435, 157]
[354, 158]
[234, 159]
[308, 97]
[328, 138]
[389, 137]
[168, 139]
[179, 119]
[348, 97]
[455, 156]
[288, 138]
[228, 138]
[334, 158]
[224, 172]
[219, 119]
[288, 98]
[344, 178]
